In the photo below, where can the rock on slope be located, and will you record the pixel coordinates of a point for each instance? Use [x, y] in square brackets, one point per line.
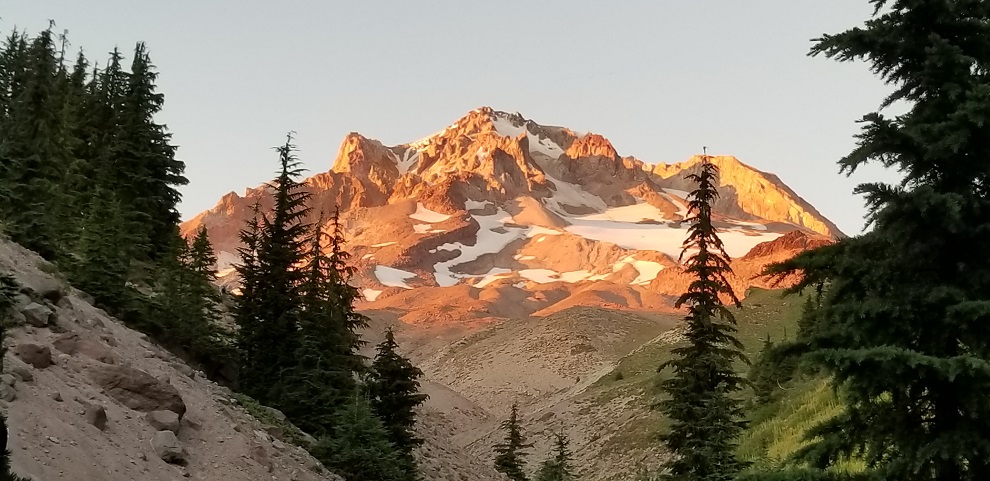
[90, 399]
[113, 406]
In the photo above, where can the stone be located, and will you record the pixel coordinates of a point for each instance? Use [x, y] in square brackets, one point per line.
[163, 420]
[38, 315]
[168, 447]
[8, 379]
[21, 301]
[260, 456]
[184, 369]
[73, 343]
[17, 318]
[20, 370]
[38, 356]
[137, 389]
[278, 415]
[56, 396]
[7, 392]
[307, 440]
[96, 415]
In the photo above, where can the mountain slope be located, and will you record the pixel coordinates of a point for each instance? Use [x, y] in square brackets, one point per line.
[513, 218]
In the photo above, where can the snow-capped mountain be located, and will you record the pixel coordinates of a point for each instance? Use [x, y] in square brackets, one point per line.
[497, 216]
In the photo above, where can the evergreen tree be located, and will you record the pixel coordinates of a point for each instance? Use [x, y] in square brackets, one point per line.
[394, 388]
[510, 455]
[34, 149]
[272, 300]
[358, 448]
[705, 416]
[902, 324]
[557, 467]
[144, 159]
[97, 266]
[202, 258]
[324, 377]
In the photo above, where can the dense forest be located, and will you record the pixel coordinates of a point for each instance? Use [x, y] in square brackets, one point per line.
[89, 180]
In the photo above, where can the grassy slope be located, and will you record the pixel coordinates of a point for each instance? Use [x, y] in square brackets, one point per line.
[776, 430]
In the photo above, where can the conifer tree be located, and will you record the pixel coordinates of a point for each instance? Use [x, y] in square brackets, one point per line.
[147, 170]
[902, 324]
[358, 448]
[272, 304]
[33, 148]
[97, 266]
[324, 378]
[705, 416]
[510, 455]
[393, 385]
[202, 258]
[557, 467]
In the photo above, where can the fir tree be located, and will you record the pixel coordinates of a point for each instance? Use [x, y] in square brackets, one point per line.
[510, 455]
[144, 159]
[34, 149]
[202, 258]
[557, 467]
[358, 448]
[394, 388]
[902, 324]
[97, 266]
[272, 302]
[705, 416]
[324, 377]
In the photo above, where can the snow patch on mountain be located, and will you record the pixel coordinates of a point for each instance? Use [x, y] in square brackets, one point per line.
[427, 215]
[392, 277]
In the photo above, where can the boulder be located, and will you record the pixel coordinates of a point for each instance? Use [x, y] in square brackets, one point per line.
[163, 420]
[137, 389]
[8, 379]
[96, 415]
[73, 343]
[260, 455]
[16, 318]
[168, 447]
[38, 356]
[37, 315]
[7, 392]
[20, 370]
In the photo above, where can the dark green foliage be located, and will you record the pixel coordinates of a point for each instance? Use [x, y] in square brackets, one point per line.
[358, 449]
[903, 322]
[558, 466]
[272, 302]
[186, 306]
[510, 455]
[775, 366]
[705, 415]
[393, 384]
[32, 146]
[97, 265]
[327, 359]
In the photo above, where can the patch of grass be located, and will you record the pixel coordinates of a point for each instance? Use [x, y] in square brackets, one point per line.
[776, 430]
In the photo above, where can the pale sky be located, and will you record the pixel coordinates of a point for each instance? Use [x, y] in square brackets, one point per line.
[659, 78]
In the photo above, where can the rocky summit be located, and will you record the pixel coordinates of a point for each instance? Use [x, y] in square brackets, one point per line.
[497, 216]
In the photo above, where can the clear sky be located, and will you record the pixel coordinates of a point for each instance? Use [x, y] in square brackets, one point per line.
[659, 78]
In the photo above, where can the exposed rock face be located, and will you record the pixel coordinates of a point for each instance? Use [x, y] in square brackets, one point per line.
[470, 206]
[745, 190]
[137, 389]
